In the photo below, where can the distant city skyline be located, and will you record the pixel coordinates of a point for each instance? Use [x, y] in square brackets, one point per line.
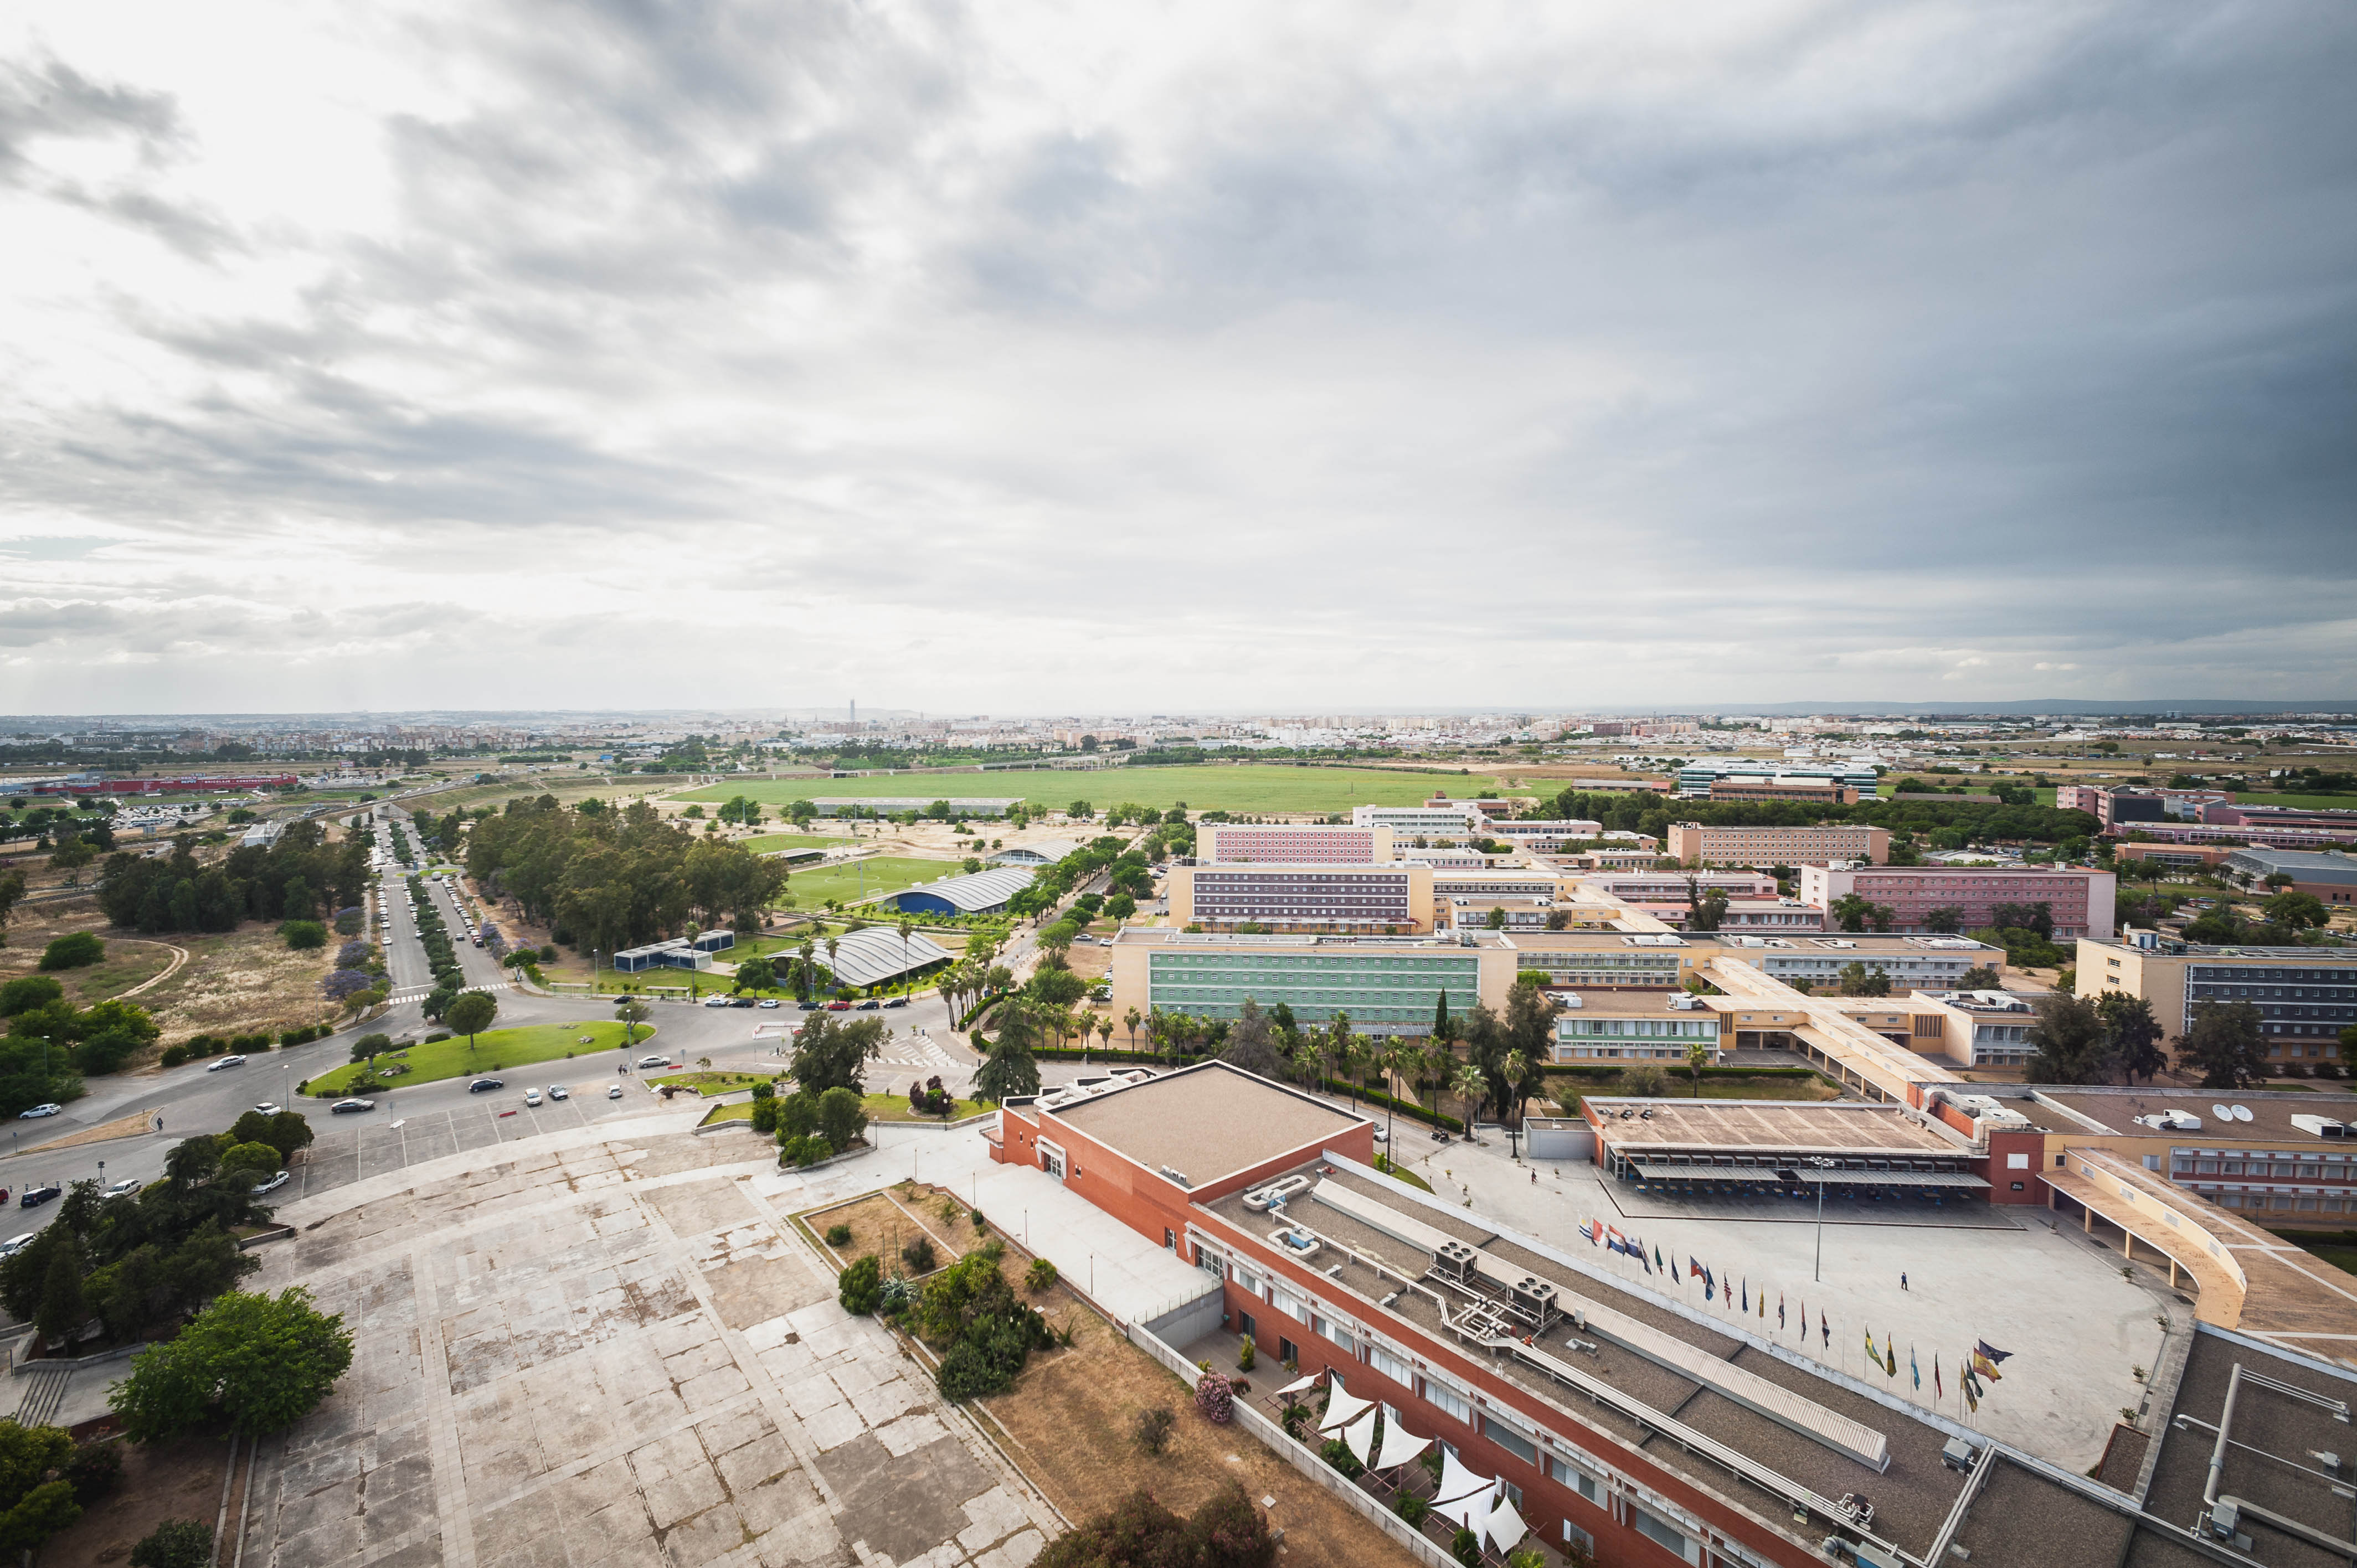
[1031, 361]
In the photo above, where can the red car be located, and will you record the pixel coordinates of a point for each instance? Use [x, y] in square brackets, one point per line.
[838, 1006]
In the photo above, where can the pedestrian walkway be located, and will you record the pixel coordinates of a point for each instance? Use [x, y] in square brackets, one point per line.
[418, 992]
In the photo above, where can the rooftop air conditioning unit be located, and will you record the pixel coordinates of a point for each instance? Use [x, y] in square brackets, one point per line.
[2320, 1126]
[1536, 1297]
[1454, 1260]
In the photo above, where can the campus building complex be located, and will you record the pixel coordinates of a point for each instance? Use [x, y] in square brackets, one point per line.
[1969, 897]
[1292, 843]
[1692, 843]
[1394, 899]
[2306, 996]
[1444, 819]
[1700, 775]
[1389, 985]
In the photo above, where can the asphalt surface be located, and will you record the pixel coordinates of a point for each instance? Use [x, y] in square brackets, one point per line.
[442, 1118]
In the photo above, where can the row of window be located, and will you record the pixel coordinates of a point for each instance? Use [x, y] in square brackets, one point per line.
[1639, 1027]
[2305, 1170]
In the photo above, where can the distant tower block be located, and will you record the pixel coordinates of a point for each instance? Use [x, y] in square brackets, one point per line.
[855, 710]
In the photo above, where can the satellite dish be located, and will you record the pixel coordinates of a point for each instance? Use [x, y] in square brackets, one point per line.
[2222, 1113]
[2242, 1113]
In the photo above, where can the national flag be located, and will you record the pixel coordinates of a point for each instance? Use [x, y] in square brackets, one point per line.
[1937, 1391]
[1985, 1368]
[1641, 1258]
[1915, 1369]
[1657, 1258]
[1972, 1401]
[1890, 1358]
[1592, 1231]
[1693, 1269]
[1746, 1294]
[1780, 1311]
[1620, 1242]
[1709, 1287]
[1991, 1351]
[1763, 1306]
[1824, 1328]
[1870, 1354]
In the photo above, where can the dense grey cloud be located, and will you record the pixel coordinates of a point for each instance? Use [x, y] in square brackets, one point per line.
[1005, 358]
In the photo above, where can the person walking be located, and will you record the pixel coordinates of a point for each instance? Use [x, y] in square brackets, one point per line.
[1902, 1279]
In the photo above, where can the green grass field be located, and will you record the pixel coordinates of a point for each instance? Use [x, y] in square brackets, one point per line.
[710, 1082]
[1246, 787]
[495, 1050]
[885, 874]
[739, 1110]
[760, 842]
[895, 1107]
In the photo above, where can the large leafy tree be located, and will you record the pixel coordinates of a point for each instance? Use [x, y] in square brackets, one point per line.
[2072, 1045]
[2224, 1044]
[1251, 1045]
[470, 1014]
[831, 1053]
[2132, 1033]
[1008, 1069]
[260, 1362]
[32, 1507]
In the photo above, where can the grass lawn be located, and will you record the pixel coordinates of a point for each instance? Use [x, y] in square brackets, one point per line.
[741, 1110]
[759, 841]
[1246, 787]
[895, 1107]
[885, 874]
[1401, 1174]
[495, 1050]
[710, 1082]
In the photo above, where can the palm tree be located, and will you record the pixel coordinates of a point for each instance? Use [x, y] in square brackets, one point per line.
[831, 945]
[907, 925]
[1472, 1086]
[809, 950]
[1517, 1068]
[1132, 1018]
[1105, 1031]
[1397, 1060]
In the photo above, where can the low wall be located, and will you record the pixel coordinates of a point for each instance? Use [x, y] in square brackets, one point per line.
[1413, 1542]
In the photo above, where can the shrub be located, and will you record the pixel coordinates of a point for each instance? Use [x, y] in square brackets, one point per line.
[94, 1471]
[841, 1117]
[1464, 1546]
[74, 950]
[764, 1090]
[438, 1035]
[348, 923]
[797, 1115]
[1643, 1081]
[918, 1255]
[1412, 1509]
[1226, 1531]
[1151, 1428]
[303, 935]
[28, 990]
[1245, 1356]
[2328, 1070]
[1216, 1397]
[1337, 1453]
[175, 1054]
[859, 1286]
[176, 1543]
[765, 1115]
[838, 1235]
[1039, 1276]
[2295, 1069]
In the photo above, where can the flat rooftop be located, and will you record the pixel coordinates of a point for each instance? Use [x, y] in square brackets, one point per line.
[1216, 941]
[2116, 1110]
[1206, 1122]
[1834, 1126]
[1913, 1496]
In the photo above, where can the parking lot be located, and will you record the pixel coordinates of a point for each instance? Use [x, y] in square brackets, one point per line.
[354, 1147]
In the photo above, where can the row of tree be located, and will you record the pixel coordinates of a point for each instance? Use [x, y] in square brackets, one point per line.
[2083, 1041]
[300, 877]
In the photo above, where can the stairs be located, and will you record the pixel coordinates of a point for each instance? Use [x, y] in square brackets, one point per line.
[45, 1391]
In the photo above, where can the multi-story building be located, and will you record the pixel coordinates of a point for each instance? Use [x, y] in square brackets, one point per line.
[2331, 876]
[1697, 777]
[2306, 996]
[1657, 891]
[2081, 901]
[1447, 818]
[2237, 837]
[1391, 898]
[1598, 1025]
[1389, 985]
[1822, 791]
[2285, 1156]
[1544, 835]
[1692, 843]
[1767, 915]
[2226, 813]
[1293, 843]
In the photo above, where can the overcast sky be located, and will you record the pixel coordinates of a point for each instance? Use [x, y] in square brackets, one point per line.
[1024, 358]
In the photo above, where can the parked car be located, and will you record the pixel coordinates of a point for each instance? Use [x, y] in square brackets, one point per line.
[870, 1006]
[896, 1001]
[268, 1108]
[275, 1183]
[838, 1006]
[346, 1107]
[226, 1061]
[740, 1001]
[37, 1196]
[614, 1092]
[37, 1112]
[16, 1244]
[532, 1097]
[558, 1091]
[716, 1002]
[806, 1005]
[770, 1002]
[654, 1061]
[485, 1085]
[121, 1189]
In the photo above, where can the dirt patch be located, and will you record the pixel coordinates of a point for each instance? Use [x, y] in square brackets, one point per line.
[136, 1125]
[884, 1222]
[181, 1479]
[239, 983]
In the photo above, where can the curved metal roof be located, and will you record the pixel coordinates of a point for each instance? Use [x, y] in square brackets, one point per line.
[975, 891]
[872, 956]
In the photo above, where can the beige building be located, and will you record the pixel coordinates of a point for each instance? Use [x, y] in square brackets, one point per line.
[1294, 843]
[1389, 985]
[1390, 899]
[1692, 843]
[2306, 996]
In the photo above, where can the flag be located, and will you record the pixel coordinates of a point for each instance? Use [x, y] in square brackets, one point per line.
[1870, 1354]
[1709, 1288]
[1763, 1306]
[1620, 1242]
[1972, 1402]
[1641, 1258]
[1985, 1368]
[1746, 1294]
[1890, 1358]
[1591, 1230]
[1991, 1351]
[1694, 1270]
[1937, 1391]
[1780, 1311]
[1915, 1369]
[1825, 1328]
[1657, 1257]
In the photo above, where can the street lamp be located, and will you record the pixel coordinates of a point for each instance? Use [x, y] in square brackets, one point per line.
[1823, 1165]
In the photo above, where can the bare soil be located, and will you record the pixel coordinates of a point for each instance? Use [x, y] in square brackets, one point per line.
[240, 982]
[181, 1479]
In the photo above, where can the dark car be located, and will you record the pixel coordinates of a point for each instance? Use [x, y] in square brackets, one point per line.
[896, 1001]
[740, 1001]
[37, 1196]
[346, 1107]
[485, 1085]
[806, 1006]
[870, 1006]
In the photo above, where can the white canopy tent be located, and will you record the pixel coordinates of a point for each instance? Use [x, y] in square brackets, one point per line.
[1463, 1498]
[1359, 1435]
[1303, 1385]
[1343, 1408]
[1399, 1446]
[1504, 1527]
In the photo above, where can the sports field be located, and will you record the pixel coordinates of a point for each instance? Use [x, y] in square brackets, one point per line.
[885, 874]
[1245, 787]
[761, 842]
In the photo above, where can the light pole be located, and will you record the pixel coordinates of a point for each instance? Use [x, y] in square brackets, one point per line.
[1817, 1274]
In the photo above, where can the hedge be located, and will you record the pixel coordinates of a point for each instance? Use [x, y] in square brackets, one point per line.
[1669, 1066]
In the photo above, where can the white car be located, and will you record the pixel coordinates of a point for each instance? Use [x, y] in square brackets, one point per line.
[558, 1091]
[226, 1061]
[716, 1002]
[120, 1189]
[37, 1112]
[268, 1108]
[532, 1097]
[275, 1183]
[614, 1092]
[654, 1061]
[16, 1244]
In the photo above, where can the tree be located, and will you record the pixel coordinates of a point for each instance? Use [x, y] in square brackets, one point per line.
[260, 1362]
[32, 1507]
[12, 893]
[76, 950]
[1130, 1020]
[2072, 1046]
[842, 1118]
[2225, 1045]
[2300, 911]
[832, 1053]
[2132, 1034]
[471, 1014]
[63, 1308]
[1980, 977]
[755, 975]
[2038, 916]
[1472, 1086]
[1947, 918]
[1857, 980]
[1705, 911]
[176, 1543]
[631, 1013]
[1698, 1056]
[1009, 1069]
[1850, 911]
[1226, 1531]
[1251, 1044]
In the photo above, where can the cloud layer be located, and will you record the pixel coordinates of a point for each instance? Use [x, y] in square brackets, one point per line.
[1022, 358]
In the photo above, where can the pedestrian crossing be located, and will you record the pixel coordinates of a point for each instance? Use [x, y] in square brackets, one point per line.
[419, 993]
[918, 1051]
